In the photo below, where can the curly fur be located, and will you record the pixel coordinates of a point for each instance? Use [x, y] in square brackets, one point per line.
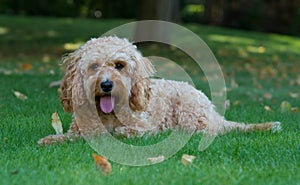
[142, 104]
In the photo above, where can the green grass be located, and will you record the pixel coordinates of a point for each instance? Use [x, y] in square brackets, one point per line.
[258, 63]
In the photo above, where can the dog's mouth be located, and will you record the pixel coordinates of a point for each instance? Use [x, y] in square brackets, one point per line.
[106, 103]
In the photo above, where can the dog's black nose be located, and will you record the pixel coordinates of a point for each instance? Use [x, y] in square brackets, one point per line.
[107, 86]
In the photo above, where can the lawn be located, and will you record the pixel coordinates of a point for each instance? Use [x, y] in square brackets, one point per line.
[261, 72]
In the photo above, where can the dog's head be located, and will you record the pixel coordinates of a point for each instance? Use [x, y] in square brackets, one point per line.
[106, 71]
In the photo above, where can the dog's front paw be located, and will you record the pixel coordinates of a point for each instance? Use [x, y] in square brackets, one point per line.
[276, 127]
[52, 139]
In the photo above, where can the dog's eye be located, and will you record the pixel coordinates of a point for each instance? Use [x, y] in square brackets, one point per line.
[119, 66]
[94, 66]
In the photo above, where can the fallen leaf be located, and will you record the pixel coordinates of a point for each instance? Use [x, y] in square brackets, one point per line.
[267, 95]
[233, 84]
[275, 58]
[267, 72]
[15, 172]
[251, 69]
[52, 72]
[5, 71]
[187, 159]
[158, 159]
[298, 80]
[26, 67]
[102, 164]
[227, 104]
[222, 52]
[41, 69]
[56, 123]
[20, 95]
[292, 82]
[261, 49]
[236, 102]
[294, 109]
[257, 84]
[55, 84]
[267, 108]
[285, 106]
[5, 139]
[46, 58]
[294, 95]
[243, 53]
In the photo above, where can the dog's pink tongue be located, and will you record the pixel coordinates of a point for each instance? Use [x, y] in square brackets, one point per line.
[107, 103]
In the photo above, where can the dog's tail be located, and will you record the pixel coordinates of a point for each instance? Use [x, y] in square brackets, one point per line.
[228, 126]
[225, 126]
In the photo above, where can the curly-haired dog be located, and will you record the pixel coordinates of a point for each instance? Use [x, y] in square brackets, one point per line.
[113, 76]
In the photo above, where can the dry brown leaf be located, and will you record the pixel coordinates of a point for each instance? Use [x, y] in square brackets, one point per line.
[267, 108]
[56, 123]
[267, 72]
[267, 95]
[20, 95]
[222, 52]
[275, 58]
[294, 109]
[285, 106]
[158, 159]
[187, 159]
[46, 58]
[243, 53]
[102, 164]
[26, 67]
[236, 102]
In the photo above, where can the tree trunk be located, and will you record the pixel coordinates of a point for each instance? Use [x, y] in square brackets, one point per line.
[208, 4]
[164, 10]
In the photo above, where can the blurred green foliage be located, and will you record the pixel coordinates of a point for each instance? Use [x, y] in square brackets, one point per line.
[193, 13]
[279, 16]
[71, 8]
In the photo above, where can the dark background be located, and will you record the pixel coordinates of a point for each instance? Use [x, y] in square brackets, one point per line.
[278, 16]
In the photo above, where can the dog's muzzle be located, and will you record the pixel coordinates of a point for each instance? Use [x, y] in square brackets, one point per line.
[107, 101]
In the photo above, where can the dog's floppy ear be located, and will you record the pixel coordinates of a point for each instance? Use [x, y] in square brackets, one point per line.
[140, 91]
[70, 61]
[143, 67]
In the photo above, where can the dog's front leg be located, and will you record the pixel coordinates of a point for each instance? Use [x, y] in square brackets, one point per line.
[72, 135]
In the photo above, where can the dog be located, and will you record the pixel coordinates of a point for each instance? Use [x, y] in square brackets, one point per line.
[110, 74]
